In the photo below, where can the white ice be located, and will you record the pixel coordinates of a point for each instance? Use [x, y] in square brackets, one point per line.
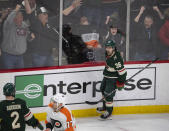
[142, 122]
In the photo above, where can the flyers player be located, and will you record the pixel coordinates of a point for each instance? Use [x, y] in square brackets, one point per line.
[59, 118]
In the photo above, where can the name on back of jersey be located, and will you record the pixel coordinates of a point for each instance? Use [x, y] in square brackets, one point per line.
[13, 107]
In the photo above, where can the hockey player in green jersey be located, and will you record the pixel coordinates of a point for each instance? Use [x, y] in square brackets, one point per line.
[14, 114]
[114, 78]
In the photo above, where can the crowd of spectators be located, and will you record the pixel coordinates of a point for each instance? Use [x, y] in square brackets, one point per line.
[147, 29]
[29, 31]
[28, 36]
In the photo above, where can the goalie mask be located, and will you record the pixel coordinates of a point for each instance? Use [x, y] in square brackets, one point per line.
[57, 102]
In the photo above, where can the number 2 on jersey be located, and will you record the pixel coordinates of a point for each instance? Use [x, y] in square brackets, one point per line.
[15, 125]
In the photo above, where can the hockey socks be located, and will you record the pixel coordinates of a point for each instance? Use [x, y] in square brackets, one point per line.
[108, 112]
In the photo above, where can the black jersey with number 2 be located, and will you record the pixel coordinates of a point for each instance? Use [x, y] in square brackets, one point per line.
[13, 115]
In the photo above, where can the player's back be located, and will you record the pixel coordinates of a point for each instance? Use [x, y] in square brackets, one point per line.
[13, 114]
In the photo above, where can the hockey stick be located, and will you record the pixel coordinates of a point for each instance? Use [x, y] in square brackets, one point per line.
[96, 102]
[142, 69]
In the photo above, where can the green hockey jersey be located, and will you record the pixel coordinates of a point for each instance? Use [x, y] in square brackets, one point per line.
[115, 67]
[13, 115]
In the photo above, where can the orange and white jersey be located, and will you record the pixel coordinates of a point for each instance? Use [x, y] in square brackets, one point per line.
[62, 120]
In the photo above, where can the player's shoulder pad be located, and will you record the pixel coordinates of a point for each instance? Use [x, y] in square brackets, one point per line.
[20, 100]
[65, 107]
[117, 55]
[49, 110]
[1, 103]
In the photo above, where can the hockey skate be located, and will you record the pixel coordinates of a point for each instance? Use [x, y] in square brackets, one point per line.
[105, 116]
[100, 109]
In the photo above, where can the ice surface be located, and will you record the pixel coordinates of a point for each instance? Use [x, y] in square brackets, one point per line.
[142, 122]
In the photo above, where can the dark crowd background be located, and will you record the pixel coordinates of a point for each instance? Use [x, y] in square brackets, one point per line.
[29, 36]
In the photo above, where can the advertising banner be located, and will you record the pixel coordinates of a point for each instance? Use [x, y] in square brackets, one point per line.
[81, 86]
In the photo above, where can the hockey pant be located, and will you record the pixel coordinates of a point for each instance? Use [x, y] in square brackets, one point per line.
[108, 85]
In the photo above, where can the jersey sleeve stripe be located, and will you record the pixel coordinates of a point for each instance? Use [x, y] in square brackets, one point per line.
[121, 72]
[67, 113]
[109, 104]
[28, 116]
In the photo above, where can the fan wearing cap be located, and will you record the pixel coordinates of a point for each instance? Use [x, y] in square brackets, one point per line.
[14, 113]
[59, 118]
[43, 15]
[45, 39]
[114, 78]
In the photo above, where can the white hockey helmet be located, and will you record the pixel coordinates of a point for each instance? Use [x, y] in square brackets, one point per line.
[58, 100]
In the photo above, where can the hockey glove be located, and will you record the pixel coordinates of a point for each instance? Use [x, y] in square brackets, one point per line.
[119, 85]
[40, 127]
[34, 123]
